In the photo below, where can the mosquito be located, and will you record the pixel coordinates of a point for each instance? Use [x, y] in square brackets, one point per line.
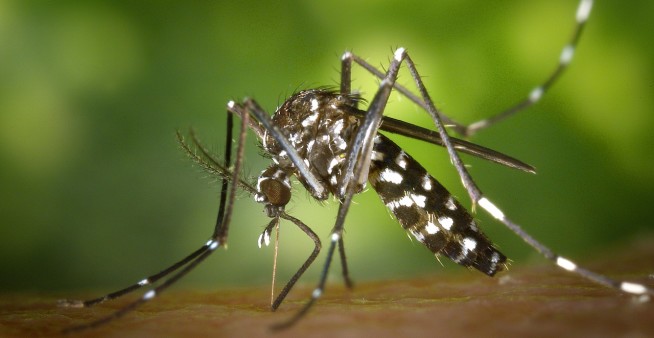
[321, 138]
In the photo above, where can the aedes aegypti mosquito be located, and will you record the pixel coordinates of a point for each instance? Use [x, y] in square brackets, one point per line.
[332, 147]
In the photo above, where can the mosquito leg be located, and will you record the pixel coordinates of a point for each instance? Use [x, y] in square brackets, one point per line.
[346, 271]
[478, 198]
[316, 250]
[346, 89]
[188, 263]
[149, 294]
[567, 53]
[144, 282]
[562, 262]
[220, 230]
[346, 73]
[317, 292]
[154, 278]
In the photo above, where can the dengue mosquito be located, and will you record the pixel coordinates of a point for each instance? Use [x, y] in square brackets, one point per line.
[333, 148]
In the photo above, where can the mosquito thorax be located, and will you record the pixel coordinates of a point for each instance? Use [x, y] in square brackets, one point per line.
[317, 125]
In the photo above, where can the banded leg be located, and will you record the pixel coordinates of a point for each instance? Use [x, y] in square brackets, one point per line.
[186, 264]
[567, 54]
[478, 198]
[535, 95]
[563, 262]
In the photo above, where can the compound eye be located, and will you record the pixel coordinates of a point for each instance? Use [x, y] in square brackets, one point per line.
[276, 192]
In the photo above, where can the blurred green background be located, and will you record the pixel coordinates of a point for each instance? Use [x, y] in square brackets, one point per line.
[96, 194]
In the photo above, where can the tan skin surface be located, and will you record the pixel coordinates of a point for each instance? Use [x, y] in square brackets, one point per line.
[540, 301]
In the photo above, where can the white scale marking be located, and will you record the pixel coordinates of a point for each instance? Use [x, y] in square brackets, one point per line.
[334, 162]
[391, 176]
[335, 237]
[149, 295]
[536, 94]
[377, 156]
[446, 222]
[495, 258]
[634, 288]
[431, 228]
[491, 208]
[280, 175]
[405, 201]
[584, 10]
[426, 183]
[259, 181]
[338, 127]
[392, 205]
[566, 264]
[264, 238]
[419, 236]
[419, 200]
[340, 143]
[260, 240]
[310, 120]
[264, 143]
[400, 160]
[314, 104]
[450, 204]
[144, 282]
[469, 244]
[566, 54]
[399, 54]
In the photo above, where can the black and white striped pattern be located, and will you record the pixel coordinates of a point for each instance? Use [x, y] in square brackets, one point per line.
[428, 211]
